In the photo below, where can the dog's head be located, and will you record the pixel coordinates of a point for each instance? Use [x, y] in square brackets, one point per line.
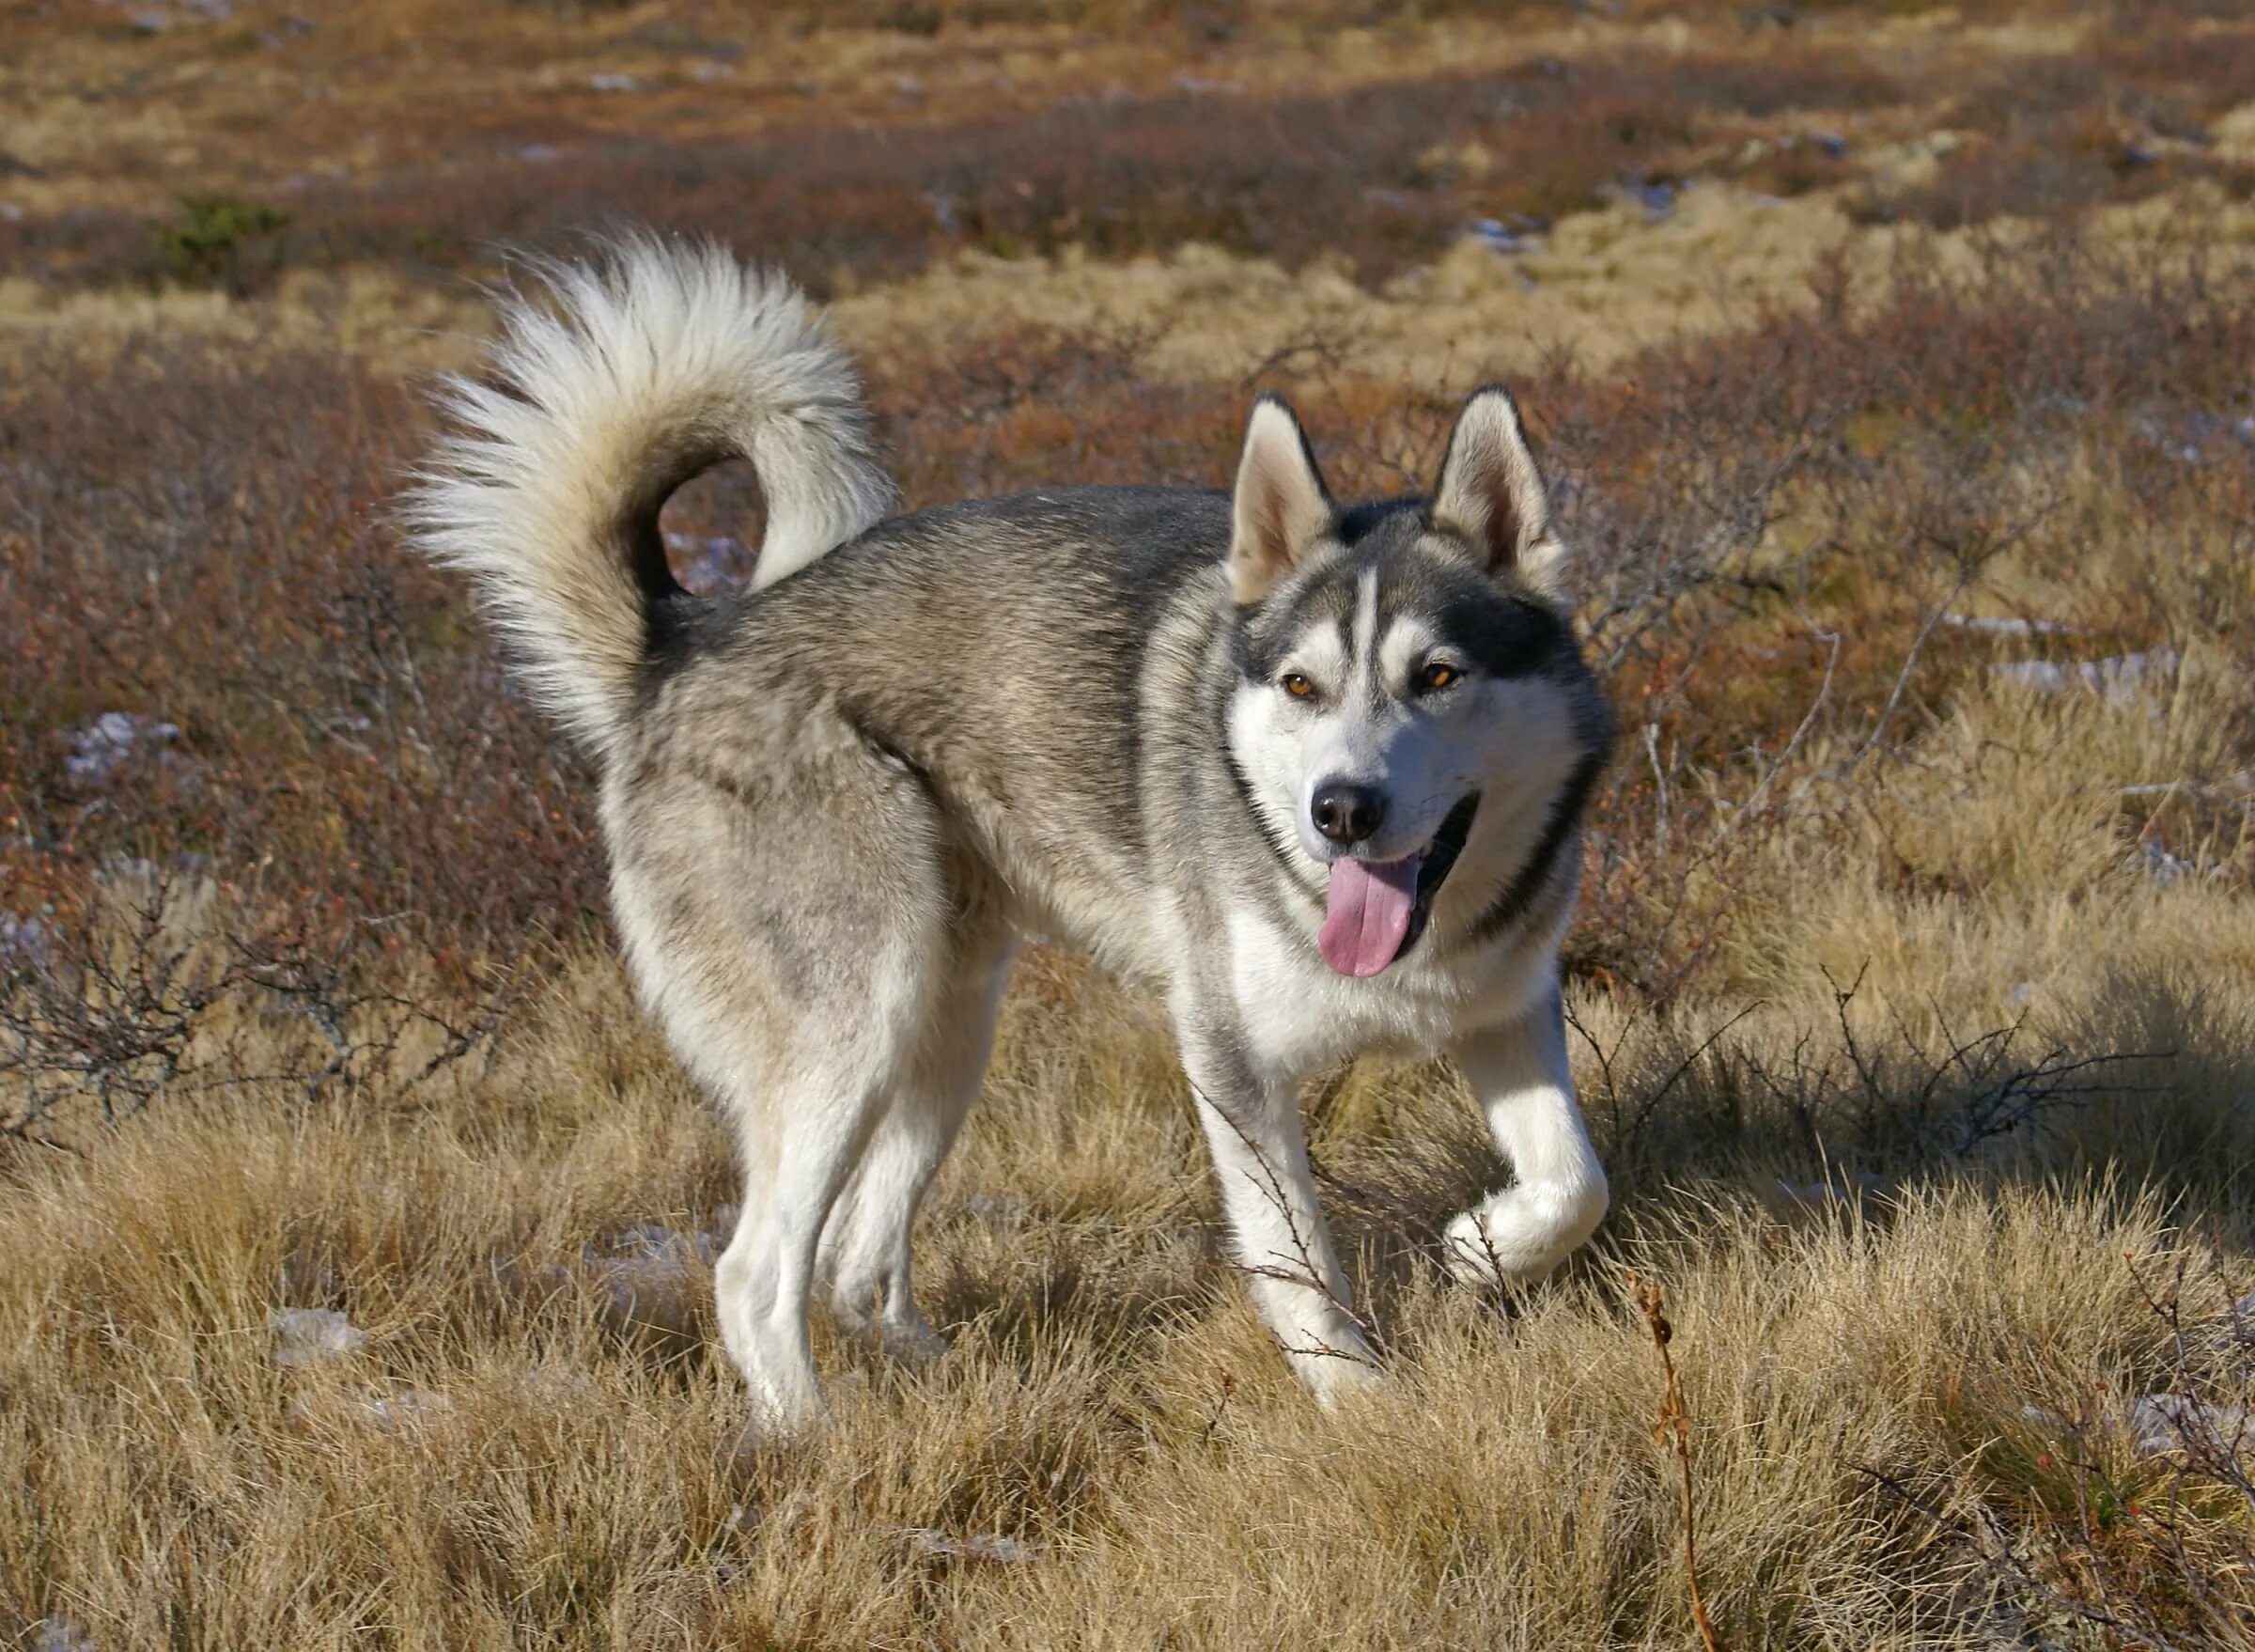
[1399, 662]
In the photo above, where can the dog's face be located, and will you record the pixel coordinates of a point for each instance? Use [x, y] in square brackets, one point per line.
[1398, 663]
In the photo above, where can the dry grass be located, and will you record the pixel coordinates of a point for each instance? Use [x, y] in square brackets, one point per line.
[1111, 1418]
[1914, 1002]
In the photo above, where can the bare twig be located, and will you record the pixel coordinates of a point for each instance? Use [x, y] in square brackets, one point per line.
[1673, 1431]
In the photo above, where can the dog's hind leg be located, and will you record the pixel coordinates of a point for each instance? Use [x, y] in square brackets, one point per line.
[865, 1249]
[799, 1140]
[790, 934]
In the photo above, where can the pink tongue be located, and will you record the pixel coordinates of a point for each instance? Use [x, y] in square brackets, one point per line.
[1366, 915]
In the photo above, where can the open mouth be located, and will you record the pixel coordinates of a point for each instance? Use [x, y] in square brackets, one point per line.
[1374, 910]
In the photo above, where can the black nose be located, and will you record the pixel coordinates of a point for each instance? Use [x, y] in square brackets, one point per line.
[1347, 814]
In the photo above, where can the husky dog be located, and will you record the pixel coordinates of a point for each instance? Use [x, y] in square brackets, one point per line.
[1315, 773]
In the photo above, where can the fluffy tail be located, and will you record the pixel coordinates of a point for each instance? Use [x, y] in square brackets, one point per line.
[646, 366]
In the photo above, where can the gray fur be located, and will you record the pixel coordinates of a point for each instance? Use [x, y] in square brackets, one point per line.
[832, 802]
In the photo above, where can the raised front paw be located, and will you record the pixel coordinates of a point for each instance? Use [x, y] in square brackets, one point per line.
[1521, 1233]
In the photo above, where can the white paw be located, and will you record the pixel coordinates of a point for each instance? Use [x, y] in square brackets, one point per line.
[1332, 1361]
[786, 1407]
[1338, 1381]
[1520, 1234]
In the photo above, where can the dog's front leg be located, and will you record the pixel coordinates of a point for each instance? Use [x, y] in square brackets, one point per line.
[1518, 1074]
[1252, 1126]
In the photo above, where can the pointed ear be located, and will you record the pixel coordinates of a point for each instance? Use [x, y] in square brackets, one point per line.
[1280, 504]
[1492, 495]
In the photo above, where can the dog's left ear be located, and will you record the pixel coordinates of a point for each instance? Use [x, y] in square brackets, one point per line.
[1492, 495]
[1281, 505]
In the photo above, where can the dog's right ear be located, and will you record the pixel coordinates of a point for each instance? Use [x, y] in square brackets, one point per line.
[1281, 505]
[1492, 495]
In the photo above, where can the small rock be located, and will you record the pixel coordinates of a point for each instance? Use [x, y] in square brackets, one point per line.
[2162, 868]
[1000, 1215]
[539, 154]
[654, 1240]
[393, 1415]
[2120, 680]
[2177, 1422]
[22, 941]
[652, 1276]
[2044, 677]
[412, 1407]
[103, 747]
[1495, 235]
[312, 1336]
[2006, 625]
[613, 83]
[978, 1546]
[1848, 1191]
[2195, 436]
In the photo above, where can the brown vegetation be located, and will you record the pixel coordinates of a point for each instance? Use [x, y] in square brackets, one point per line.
[444, 132]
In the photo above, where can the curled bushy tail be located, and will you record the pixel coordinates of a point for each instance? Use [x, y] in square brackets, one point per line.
[645, 367]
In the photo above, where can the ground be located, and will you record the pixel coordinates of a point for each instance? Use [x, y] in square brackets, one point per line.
[1894, 368]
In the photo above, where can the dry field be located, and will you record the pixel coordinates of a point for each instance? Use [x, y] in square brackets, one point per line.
[1896, 366]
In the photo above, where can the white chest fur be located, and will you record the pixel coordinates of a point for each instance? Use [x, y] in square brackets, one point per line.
[1300, 1017]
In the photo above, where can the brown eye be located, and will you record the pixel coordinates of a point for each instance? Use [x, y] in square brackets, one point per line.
[1435, 677]
[1299, 687]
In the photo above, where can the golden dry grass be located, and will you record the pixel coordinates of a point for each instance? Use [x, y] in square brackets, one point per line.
[513, 1457]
